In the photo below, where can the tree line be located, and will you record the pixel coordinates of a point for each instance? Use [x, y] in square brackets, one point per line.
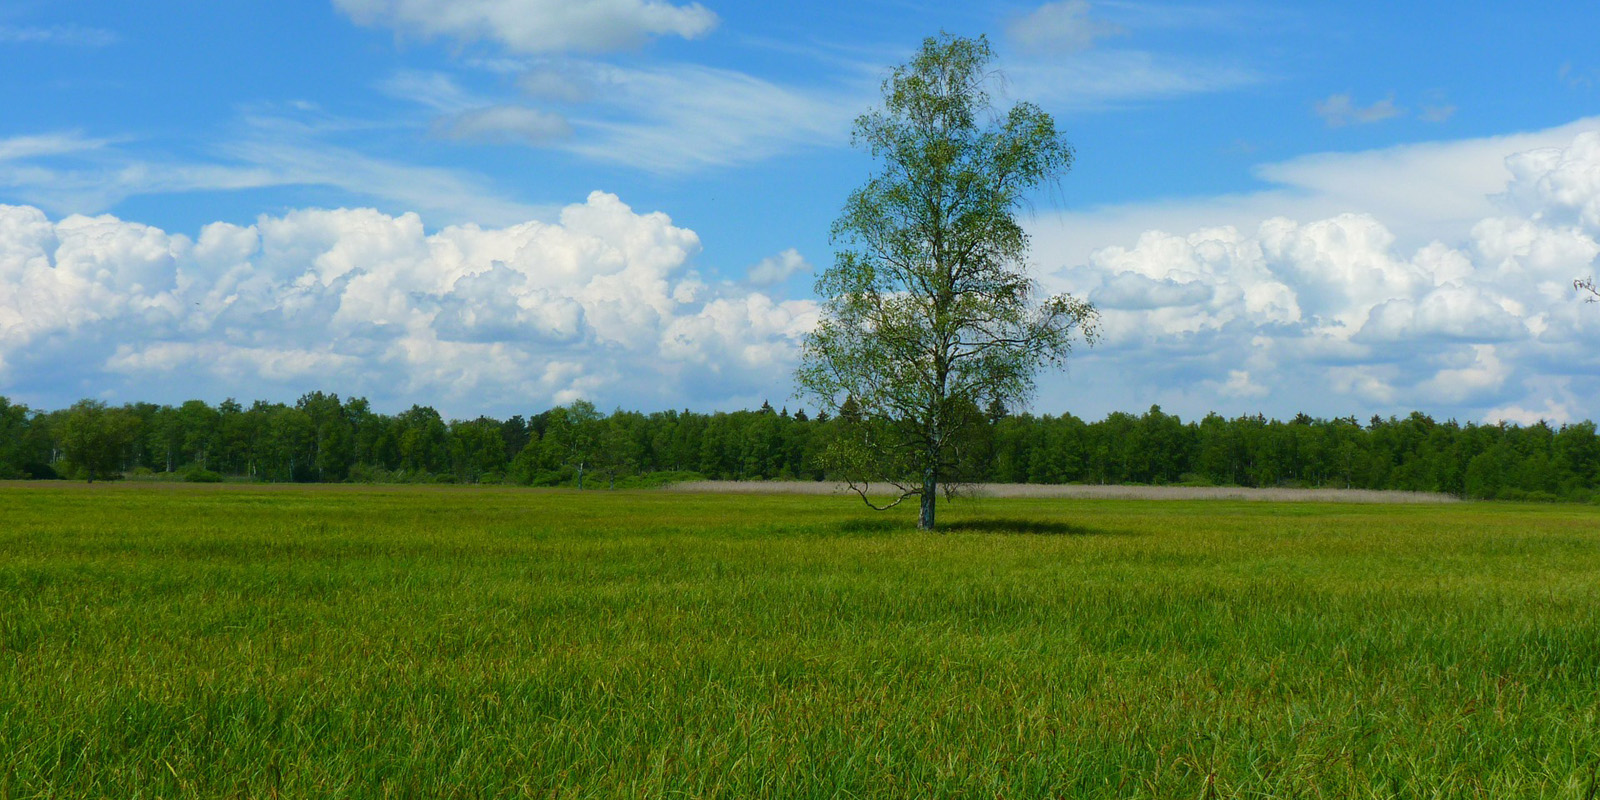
[323, 438]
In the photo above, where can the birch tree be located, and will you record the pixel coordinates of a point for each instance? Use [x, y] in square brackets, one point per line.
[928, 312]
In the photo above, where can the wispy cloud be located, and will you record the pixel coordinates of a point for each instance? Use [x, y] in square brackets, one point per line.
[444, 195]
[99, 184]
[1104, 78]
[1340, 110]
[1060, 59]
[71, 173]
[671, 118]
[431, 89]
[678, 118]
[47, 144]
[537, 26]
[1440, 113]
[1065, 25]
[1577, 77]
[67, 35]
[465, 116]
[506, 124]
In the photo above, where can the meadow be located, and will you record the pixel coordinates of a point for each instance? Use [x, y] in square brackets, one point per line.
[212, 641]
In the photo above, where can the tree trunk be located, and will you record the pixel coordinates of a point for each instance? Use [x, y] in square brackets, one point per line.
[930, 496]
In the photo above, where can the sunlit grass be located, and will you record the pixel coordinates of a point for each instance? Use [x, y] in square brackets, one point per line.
[201, 642]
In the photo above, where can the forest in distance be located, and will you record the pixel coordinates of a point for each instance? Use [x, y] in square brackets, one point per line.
[322, 438]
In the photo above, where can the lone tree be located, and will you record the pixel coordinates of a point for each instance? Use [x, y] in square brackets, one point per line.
[928, 313]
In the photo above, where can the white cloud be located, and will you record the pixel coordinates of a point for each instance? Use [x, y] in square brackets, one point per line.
[558, 82]
[537, 26]
[230, 362]
[1420, 192]
[1559, 181]
[465, 116]
[1064, 25]
[1436, 113]
[1240, 385]
[1060, 64]
[1340, 314]
[679, 118]
[1100, 78]
[601, 303]
[1340, 110]
[71, 35]
[1482, 376]
[436, 90]
[670, 118]
[505, 124]
[66, 172]
[778, 268]
[1578, 78]
[1555, 412]
[47, 144]
[98, 184]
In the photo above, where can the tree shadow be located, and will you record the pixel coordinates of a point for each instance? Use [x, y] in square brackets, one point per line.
[1000, 525]
[870, 525]
[1032, 527]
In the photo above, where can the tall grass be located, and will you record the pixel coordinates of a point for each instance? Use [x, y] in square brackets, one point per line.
[203, 642]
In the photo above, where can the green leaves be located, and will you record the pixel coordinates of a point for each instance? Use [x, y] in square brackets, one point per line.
[929, 311]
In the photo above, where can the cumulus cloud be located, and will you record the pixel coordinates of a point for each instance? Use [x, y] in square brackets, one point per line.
[537, 26]
[1564, 181]
[778, 268]
[1239, 384]
[1340, 110]
[1336, 315]
[1421, 193]
[1553, 411]
[601, 303]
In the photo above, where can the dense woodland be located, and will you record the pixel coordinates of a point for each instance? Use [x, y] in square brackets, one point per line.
[321, 438]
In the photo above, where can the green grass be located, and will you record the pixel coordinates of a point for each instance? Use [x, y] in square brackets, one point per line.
[194, 641]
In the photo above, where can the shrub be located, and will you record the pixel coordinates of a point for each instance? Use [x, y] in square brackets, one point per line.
[201, 475]
[368, 473]
[652, 480]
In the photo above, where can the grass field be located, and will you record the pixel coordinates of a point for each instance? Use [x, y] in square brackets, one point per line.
[362, 642]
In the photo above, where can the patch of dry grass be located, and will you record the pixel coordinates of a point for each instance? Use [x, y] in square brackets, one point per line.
[1088, 492]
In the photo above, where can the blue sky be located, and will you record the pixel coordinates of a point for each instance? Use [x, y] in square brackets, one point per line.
[496, 205]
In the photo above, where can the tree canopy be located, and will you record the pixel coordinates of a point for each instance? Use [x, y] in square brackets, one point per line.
[929, 314]
[322, 438]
